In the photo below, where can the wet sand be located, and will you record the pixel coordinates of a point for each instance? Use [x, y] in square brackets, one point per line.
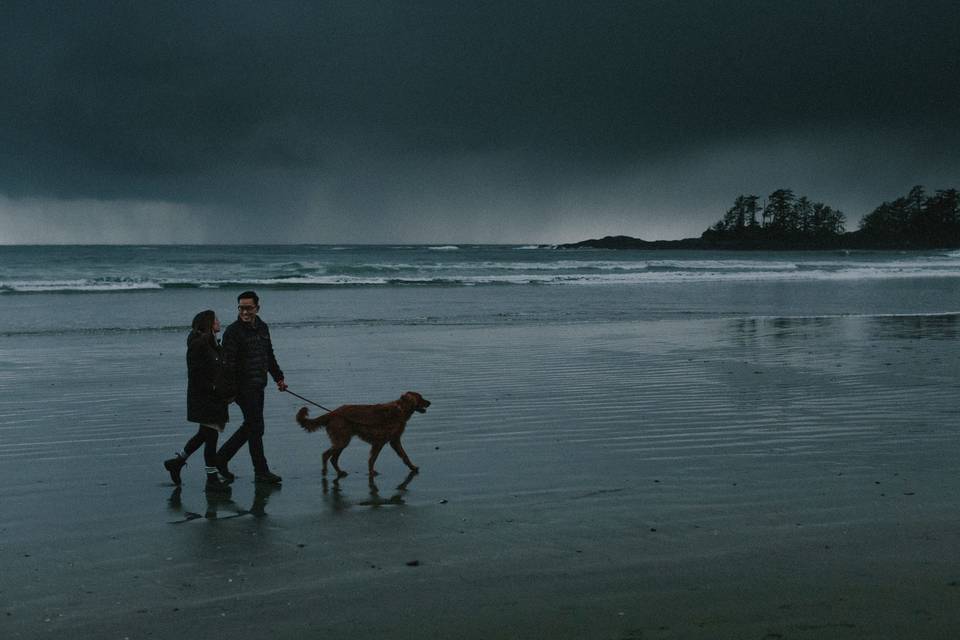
[762, 478]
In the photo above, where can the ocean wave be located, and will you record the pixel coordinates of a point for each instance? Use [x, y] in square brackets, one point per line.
[104, 270]
[79, 286]
[481, 266]
[298, 269]
[722, 265]
[530, 276]
[611, 276]
[796, 275]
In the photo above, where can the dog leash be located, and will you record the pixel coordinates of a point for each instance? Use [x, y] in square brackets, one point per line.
[310, 401]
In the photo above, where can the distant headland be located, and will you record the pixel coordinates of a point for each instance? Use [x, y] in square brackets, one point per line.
[786, 221]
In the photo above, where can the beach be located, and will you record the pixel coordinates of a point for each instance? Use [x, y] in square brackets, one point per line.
[725, 477]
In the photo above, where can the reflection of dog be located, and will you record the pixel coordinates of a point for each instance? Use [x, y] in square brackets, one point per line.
[377, 424]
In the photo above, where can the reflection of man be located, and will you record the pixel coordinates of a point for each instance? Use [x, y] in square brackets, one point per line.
[247, 358]
[260, 497]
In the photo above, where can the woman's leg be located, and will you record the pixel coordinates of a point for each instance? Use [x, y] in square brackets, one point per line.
[210, 448]
[194, 443]
[210, 459]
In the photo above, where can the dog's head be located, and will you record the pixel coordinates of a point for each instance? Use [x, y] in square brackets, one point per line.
[416, 401]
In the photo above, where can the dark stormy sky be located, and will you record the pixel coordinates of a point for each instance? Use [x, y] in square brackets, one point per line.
[447, 121]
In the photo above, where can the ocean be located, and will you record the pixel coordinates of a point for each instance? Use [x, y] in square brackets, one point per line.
[137, 288]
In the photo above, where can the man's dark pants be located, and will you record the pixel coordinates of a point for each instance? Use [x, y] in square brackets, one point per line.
[251, 431]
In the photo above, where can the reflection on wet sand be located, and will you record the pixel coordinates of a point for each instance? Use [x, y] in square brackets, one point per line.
[748, 332]
[261, 495]
[333, 494]
[221, 502]
[931, 327]
[396, 499]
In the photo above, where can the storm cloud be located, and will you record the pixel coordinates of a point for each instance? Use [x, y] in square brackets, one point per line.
[461, 122]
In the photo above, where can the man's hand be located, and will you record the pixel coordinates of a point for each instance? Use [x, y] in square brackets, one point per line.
[281, 385]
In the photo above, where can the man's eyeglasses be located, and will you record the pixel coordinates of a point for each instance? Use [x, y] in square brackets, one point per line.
[247, 307]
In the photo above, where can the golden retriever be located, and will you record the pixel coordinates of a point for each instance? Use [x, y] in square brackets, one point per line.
[376, 424]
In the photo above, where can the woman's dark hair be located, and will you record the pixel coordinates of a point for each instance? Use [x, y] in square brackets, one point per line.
[203, 321]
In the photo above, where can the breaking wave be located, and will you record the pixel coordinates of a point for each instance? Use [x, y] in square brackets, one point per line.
[117, 270]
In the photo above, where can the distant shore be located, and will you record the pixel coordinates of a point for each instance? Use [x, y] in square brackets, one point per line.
[786, 222]
[854, 241]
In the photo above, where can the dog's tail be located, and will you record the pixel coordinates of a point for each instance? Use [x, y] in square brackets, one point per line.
[311, 424]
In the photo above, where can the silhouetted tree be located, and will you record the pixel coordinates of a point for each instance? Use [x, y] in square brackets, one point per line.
[787, 221]
[893, 222]
[750, 211]
[780, 210]
[915, 220]
[741, 216]
[803, 214]
[938, 224]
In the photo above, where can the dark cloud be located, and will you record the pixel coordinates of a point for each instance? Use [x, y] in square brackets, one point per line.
[357, 110]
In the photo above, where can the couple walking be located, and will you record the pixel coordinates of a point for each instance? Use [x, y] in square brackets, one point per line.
[218, 375]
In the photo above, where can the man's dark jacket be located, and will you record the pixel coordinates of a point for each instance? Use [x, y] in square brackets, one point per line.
[248, 355]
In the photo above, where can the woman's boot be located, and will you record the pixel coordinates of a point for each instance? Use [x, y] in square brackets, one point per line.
[173, 465]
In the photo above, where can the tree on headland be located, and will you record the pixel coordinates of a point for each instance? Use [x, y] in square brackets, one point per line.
[915, 221]
[892, 221]
[826, 222]
[742, 216]
[804, 209]
[786, 221]
[781, 211]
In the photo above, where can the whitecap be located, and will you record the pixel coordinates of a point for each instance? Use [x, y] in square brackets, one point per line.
[52, 286]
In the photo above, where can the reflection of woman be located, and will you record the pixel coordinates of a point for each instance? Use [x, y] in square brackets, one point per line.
[206, 398]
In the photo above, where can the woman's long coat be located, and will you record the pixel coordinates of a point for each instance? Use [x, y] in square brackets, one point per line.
[206, 390]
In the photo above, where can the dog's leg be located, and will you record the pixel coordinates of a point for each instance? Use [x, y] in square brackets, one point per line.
[326, 456]
[336, 456]
[395, 443]
[374, 452]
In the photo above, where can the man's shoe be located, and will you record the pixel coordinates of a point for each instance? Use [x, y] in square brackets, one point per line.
[173, 465]
[268, 478]
[224, 471]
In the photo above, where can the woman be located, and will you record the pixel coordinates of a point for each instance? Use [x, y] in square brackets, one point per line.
[207, 398]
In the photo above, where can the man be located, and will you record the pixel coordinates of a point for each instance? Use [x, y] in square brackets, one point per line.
[247, 358]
